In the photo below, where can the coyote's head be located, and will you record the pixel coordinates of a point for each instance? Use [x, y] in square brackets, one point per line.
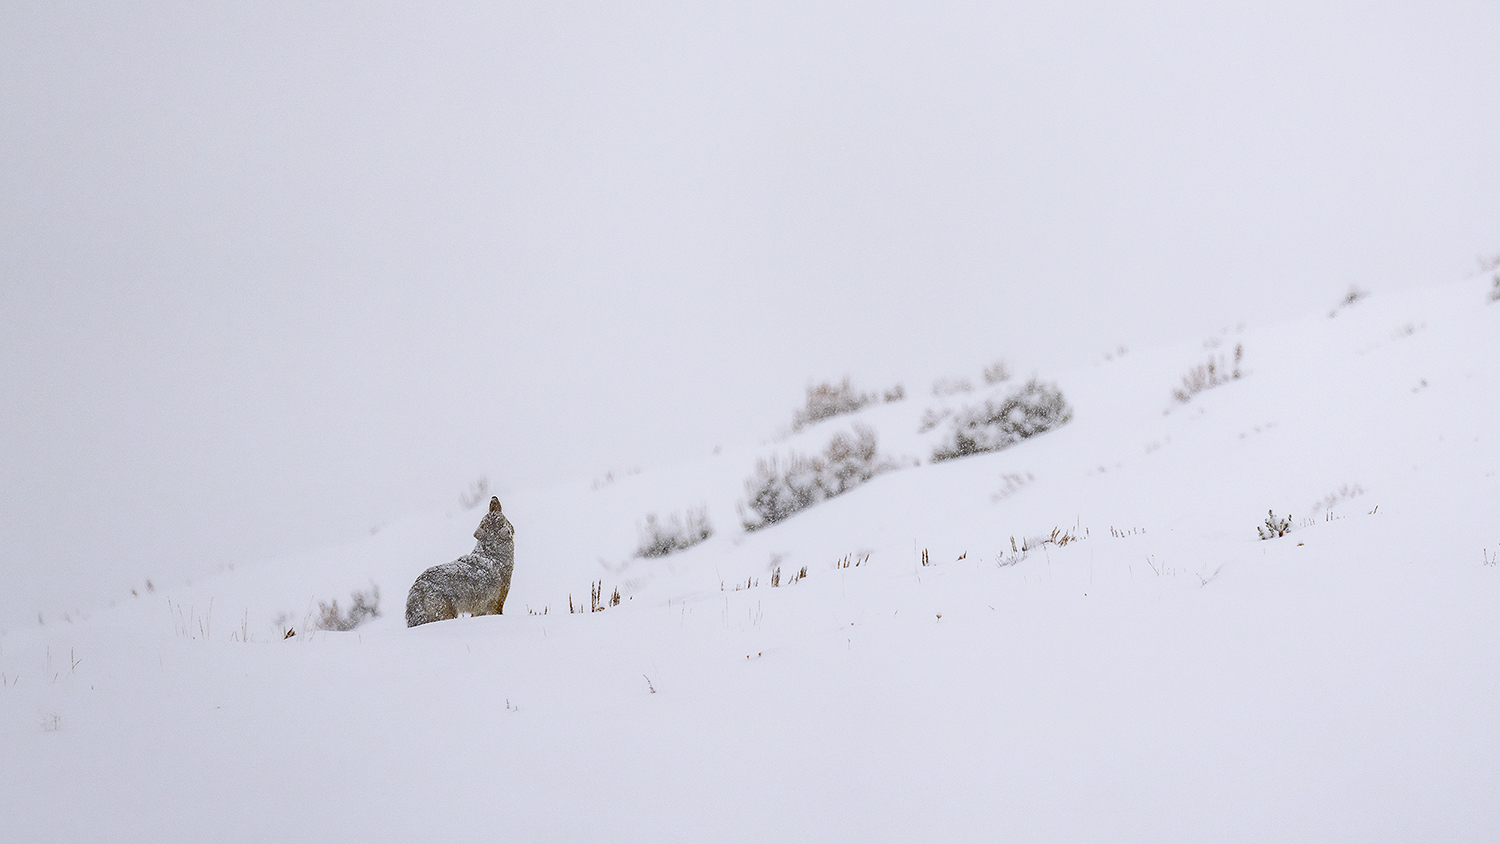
[494, 527]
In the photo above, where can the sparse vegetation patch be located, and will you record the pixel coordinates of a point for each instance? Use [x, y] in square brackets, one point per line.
[597, 601]
[1059, 537]
[849, 561]
[776, 577]
[1208, 375]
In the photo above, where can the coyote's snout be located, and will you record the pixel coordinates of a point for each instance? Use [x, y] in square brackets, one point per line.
[475, 583]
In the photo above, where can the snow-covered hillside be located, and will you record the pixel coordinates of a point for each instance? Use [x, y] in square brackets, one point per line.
[1148, 669]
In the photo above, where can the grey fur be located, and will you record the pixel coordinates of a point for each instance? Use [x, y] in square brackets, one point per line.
[475, 583]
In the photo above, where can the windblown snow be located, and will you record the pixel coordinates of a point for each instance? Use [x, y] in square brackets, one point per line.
[1080, 637]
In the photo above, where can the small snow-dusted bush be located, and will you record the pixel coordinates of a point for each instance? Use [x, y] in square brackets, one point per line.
[849, 460]
[1274, 527]
[660, 537]
[1207, 375]
[782, 486]
[996, 373]
[827, 399]
[1034, 409]
[779, 488]
[363, 606]
[1495, 291]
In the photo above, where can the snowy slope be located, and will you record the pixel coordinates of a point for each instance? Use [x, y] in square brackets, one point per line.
[1168, 676]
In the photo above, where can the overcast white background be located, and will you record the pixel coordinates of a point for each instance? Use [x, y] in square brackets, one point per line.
[272, 274]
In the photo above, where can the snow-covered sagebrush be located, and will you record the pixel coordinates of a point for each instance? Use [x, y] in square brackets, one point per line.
[992, 426]
[828, 400]
[782, 486]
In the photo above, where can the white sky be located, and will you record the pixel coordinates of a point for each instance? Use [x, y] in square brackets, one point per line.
[272, 274]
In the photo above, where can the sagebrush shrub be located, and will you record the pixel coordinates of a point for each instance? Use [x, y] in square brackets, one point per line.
[363, 606]
[779, 488]
[782, 486]
[827, 399]
[996, 373]
[1208, 375]
[849, 460]
[1274, 527]
[992, 426]
[660, 537]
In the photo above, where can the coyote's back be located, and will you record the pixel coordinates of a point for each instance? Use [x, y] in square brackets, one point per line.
[475, 583]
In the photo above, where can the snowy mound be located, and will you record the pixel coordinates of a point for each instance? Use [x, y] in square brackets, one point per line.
[1075, 632]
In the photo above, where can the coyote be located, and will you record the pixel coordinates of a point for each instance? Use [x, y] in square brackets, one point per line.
[475, 583]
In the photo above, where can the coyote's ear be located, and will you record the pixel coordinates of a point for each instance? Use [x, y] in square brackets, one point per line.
[494, 504]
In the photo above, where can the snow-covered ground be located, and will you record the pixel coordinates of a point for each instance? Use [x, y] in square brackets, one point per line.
[1167, 676]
